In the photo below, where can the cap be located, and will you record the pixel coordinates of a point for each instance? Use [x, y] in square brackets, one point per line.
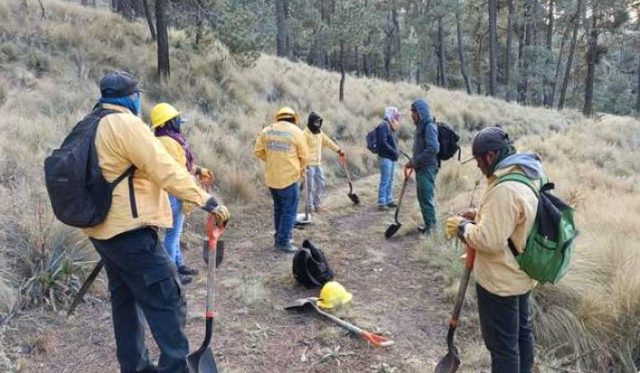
[118, 84]
[489, 139]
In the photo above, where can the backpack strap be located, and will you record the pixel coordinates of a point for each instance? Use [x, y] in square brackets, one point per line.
[523, 179]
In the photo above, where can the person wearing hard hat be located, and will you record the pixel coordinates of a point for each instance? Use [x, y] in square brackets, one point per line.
[316, 140]
[166, 123]
[284, 150]
[142, 279]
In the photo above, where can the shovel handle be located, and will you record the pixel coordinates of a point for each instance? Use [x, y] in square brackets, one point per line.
[214, 231]
[407, 172]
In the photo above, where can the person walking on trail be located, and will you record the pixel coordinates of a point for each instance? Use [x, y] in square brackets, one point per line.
[388, 153]
[166, 123]
[283, 148]
[507, 212]
[142, 279]
[316, 140]
[425, 162]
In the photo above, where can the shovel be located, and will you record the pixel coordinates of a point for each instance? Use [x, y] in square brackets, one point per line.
[304, 219]
[352, 196]
[393, 228]
[202, 360]
[451, 361]
[375, 339]
[85, 286]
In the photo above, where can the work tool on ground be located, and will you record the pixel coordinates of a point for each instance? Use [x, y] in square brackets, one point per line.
[310, 303]
[393, 228]
[303, 219]
[85, 286]
[451, 361]
[202, 360]
[352, 196]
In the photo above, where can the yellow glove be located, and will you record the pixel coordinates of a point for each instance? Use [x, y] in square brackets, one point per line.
[222, 214]
[451, 226]
[205, 175]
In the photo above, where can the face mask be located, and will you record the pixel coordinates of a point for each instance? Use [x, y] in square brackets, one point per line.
[137, 104]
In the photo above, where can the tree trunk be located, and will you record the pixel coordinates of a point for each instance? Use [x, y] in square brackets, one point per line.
[548, 84]
[493, 48]
[281, 24]
[592, 56]
[507, 53]
[388, 50]
[164, 69]
[343, 76]
[523, 56]
[638, 91]
[463, 65]
[572, 50]
[554, 83]
[442, 64]
[147, 13]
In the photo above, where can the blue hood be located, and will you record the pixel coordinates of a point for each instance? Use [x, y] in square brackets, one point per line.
[130, 102]
[423, 110]
[529, 162]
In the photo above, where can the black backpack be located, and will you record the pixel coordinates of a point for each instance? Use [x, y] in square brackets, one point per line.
[372, 139]
[310, 266]
[79, 194]
[448, 139]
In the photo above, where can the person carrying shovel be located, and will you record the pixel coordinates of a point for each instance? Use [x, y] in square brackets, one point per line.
[167, 123]
[284, 150]
[506, 213]
[316, 140]
[142, 278]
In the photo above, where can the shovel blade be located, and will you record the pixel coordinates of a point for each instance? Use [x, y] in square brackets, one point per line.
[219, 252]
[393, 228]
[299, 304]
[202, 362]
[449, 363]
[354, 198]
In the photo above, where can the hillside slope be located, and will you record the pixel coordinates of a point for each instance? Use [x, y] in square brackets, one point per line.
[589, 322]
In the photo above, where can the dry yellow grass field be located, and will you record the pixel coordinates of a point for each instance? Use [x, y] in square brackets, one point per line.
[589, 322]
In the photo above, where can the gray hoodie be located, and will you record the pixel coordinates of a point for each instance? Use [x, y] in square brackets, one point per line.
[425, 140]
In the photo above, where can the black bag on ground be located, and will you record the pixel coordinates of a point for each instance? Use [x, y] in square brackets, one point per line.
[310, 266]
[448, 139]
[79, 194]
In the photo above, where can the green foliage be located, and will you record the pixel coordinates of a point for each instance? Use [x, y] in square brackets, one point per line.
[238, 29]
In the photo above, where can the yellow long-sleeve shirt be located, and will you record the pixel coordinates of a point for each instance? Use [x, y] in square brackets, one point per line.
[315, 142]
[122, 140]
[284, 150]
[177, 152]
[507, 210]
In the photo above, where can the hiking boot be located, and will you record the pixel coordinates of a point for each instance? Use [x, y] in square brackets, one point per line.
[184, 270]
[290, 248]
[424, 230]
[383, 207]
[185, 279]
[392, 205]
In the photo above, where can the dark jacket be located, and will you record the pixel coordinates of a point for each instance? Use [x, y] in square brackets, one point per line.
[387, 143]
[425, 140]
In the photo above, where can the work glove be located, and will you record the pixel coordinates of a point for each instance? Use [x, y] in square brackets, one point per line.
[454, 226]
[205, 175]
[220, 211]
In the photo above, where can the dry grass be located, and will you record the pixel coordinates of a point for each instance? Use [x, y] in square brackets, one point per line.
[589, 322]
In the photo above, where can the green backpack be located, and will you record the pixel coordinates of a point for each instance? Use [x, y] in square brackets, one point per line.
[549, 248]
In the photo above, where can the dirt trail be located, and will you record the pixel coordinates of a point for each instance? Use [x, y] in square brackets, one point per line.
[393, 292]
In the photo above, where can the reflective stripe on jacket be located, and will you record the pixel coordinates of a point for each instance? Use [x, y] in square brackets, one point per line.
[284, 150]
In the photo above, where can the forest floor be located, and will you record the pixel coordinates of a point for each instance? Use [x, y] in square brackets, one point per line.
[396, 289]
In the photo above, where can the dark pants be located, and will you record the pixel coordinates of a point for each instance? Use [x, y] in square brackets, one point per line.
[426, 188]
[506, 330]
[285, 208]
[143, 284]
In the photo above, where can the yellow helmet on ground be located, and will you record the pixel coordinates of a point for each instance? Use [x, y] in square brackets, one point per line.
[333, 295]
[286, 112]
[162, 113]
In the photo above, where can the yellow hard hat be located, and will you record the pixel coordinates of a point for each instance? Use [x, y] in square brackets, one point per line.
[333, 295]
[162, 113]
[286, 112]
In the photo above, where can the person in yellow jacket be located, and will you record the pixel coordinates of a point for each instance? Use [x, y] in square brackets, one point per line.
[166, 123]
[507, 212]
[316, 140]
[284, 150]
[142, 278]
